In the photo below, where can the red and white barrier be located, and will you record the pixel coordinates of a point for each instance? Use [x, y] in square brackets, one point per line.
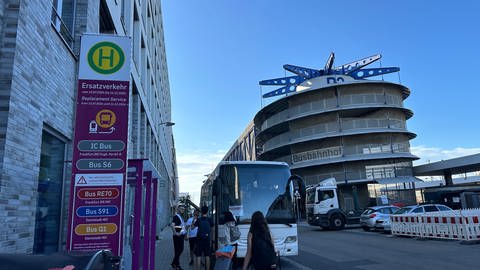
[457, 224]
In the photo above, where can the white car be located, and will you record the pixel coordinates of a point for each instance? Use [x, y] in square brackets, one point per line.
[422, 208]
[383, 223]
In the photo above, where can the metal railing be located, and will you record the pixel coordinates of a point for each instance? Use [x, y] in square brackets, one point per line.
[62, 28]
[328, 104]
[327, 129]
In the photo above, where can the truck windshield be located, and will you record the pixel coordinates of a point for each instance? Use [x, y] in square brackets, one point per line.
[325, 195]
[247, 188]
[310, 196]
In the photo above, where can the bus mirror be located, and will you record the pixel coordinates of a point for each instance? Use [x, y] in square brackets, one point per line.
[298, 185]
[216, 186]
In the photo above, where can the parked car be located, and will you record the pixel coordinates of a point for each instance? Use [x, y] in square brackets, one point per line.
[383, 223]
[369, 217]
[422, 208]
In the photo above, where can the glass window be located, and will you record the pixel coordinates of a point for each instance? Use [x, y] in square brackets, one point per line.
[62, 18]
[368, 211]
[418, 210]
[262, 188]
[105, 19]
[384, 210]
[325, 195]
[430, 208]
[311, 195]
[443, 208]
[403, 210]
[49, 200]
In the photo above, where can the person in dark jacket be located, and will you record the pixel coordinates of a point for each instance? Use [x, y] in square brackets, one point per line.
[204, 237]
[260, 246]
[179, 231]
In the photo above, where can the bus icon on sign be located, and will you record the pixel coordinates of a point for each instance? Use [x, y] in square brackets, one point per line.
[105, 118]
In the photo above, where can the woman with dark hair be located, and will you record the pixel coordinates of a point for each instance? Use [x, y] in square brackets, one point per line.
[260, 246]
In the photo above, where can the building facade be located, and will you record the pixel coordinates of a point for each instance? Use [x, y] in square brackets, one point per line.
[39, 50]
[334, 123]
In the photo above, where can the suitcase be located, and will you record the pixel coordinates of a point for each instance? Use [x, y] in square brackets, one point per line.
[223, 263]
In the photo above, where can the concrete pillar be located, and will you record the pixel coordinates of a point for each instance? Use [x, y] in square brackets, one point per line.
[447, 175]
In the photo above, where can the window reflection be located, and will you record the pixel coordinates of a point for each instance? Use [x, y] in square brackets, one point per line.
[249, 189]
[47, 218]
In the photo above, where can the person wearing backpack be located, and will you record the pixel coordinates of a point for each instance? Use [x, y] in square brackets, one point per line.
[231, 235]
[204, 237]
[260, 247]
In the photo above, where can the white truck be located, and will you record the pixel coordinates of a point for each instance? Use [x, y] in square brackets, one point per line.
[323, 207]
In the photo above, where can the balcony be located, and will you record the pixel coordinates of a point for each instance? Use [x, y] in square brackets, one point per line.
[328, 105]
[333, 129]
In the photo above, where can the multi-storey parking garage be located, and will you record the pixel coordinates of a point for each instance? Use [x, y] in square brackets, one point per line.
[336, 124]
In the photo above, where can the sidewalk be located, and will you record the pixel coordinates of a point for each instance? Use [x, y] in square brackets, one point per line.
[164, 252]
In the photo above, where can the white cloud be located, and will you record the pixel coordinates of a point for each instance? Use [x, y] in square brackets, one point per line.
[433, 154]
[192, 168]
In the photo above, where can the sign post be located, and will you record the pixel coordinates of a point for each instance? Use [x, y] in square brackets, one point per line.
[97, 188]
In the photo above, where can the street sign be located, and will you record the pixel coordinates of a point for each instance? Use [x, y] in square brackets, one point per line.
[101, 135]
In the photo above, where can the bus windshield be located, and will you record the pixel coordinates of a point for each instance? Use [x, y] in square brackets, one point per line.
[261, 187]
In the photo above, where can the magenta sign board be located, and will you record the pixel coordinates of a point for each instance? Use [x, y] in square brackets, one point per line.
[100, 145]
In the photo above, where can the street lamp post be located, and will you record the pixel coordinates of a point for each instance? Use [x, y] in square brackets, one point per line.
[167, 124]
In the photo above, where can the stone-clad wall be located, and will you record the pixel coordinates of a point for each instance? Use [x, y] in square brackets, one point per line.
[42, 92]
[8, 28]
[38, 77]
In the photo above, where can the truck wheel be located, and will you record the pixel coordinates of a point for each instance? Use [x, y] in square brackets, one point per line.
[336, 222]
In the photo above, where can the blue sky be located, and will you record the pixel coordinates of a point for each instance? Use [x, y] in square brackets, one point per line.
[218, 51]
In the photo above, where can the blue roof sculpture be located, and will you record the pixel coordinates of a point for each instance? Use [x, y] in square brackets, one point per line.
[354, 70]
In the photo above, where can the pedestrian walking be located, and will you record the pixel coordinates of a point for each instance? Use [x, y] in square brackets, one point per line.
[192, 234]
[260, 246]
[178, 228]
[231, 235]
[204, 237]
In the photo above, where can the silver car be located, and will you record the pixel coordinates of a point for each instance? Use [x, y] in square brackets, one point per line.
[369, 217]
[383, 223]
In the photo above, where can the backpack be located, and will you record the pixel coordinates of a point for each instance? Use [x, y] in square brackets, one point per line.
[234, 233]
[263, 254]
[203, 228]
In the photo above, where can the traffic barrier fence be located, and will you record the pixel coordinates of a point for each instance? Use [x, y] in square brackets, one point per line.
[456, 224]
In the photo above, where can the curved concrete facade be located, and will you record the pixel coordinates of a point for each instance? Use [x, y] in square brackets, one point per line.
[354, 131]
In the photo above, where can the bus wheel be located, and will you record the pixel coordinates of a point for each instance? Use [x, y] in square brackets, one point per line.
[336, 222]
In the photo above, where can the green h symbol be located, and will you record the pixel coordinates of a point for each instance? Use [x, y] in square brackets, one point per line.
[102, 57]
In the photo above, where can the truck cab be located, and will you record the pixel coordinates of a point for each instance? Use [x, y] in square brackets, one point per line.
[324, 209]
